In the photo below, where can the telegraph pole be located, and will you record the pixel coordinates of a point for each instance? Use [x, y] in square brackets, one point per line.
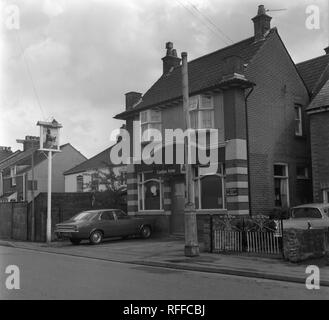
[191, 233]
[49, 198]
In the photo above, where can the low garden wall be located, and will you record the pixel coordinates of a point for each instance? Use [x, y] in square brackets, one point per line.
[300, 245]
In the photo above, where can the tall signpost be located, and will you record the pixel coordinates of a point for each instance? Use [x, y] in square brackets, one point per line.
[49, 142]
[191, 234]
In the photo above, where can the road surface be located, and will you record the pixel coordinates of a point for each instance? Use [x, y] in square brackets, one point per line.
[56, 276]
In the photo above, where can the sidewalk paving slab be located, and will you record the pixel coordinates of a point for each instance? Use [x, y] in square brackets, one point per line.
[169, 253]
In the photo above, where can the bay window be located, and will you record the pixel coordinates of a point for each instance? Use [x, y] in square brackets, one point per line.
[150, 119]
[209, 188]
[149, 192]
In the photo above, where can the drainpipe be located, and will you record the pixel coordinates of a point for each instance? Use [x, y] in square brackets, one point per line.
[248, 153]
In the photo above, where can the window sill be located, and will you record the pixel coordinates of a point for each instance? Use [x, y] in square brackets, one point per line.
[152, 212]
[211, 211]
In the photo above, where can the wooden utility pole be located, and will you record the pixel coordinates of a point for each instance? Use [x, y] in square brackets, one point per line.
[191, 233]
[32, 207]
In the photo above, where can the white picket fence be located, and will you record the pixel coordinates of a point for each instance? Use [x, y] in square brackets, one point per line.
[256, 241]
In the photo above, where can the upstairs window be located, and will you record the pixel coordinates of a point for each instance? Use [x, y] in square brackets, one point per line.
[150, 119]
[13, 176]
[302, 172]
[298, 120]
[201, 111]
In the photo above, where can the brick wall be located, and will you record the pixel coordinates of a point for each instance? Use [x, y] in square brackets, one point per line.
[271, 118]
[320, 153]
[299, 245]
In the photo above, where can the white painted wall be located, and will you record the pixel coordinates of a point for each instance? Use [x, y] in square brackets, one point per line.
[71, 179]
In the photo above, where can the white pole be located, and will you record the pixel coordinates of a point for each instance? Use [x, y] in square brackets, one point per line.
[49, 198]
[191, 232]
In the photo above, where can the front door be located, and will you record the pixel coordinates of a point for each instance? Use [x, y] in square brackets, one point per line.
[177, 205]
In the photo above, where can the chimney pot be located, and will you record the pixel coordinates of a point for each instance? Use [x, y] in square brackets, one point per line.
[262, 23]
[170, 60]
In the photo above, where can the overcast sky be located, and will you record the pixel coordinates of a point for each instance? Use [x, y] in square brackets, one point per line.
[83, 56]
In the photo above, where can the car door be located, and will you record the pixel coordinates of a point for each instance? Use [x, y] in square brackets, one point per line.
[126, 225]
[107, 223]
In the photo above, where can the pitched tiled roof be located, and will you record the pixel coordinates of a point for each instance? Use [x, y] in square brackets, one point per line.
[311, 71]
[204, 73]
[321, 99]
[98, 161]
[17, 158]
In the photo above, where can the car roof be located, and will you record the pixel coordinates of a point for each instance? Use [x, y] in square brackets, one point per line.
[313, 205]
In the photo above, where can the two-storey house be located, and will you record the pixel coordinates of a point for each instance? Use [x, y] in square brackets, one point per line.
[23, 175]
[252, 93]
[316, 75]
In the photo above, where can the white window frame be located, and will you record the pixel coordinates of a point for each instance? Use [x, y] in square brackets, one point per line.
[299, 119]
[286, 177]
[141, 192]
[149, 122]
[196, 106]
[13, 173]
[198, 179]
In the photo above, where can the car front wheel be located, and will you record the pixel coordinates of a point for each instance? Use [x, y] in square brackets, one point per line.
[96, 237]
[75, 241]
[146, 232]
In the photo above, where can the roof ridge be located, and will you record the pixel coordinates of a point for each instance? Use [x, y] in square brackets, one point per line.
[309, 60]
[72, 169]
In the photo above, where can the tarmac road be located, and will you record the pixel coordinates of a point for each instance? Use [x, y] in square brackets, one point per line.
[56, 276]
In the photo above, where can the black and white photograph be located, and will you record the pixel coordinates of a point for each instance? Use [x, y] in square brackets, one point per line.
[164, 154]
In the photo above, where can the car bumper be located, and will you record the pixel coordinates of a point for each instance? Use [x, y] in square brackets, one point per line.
[61, 234]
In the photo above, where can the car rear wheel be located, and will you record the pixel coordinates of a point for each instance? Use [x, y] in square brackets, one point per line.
[96, 237]
[75, 241]
[146, 232]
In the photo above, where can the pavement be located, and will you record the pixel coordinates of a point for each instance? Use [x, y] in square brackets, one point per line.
[169, 253]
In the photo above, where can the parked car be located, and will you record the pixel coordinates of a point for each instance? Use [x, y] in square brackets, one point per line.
[308, 216]
[95, 225]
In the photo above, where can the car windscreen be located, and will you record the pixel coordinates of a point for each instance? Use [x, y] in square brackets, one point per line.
[86, 215]
[311, 213]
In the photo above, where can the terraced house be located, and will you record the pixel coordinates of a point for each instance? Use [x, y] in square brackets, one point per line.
[253, 94]
[316, 75]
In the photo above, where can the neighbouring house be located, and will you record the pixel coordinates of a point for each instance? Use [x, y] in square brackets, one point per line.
[253, 94]
[5, 152]
[23, 175]
[316, 75]
[92, 175]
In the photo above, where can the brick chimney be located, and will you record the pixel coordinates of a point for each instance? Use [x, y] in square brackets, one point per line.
[326, 50]
[132, 98]
[262, 23]
[170, 60]
[30, 142]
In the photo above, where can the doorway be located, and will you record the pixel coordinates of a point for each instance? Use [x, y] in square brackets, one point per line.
[177, 205]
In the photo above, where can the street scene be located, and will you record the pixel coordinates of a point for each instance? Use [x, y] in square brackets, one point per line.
[173, 150]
